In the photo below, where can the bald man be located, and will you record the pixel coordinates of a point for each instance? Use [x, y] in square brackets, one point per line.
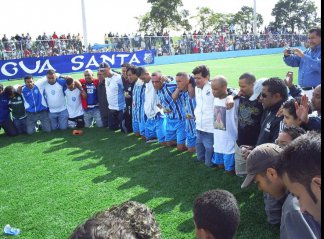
[225, 127]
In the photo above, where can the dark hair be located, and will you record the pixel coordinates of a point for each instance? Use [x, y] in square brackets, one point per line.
[203, 69]
[28, 77]
[183, 74]
[129, 220]
[276, 85]
[293, 131]
[50, 72]
[248, 77]
[1, 86]
[289, 105]
[217, 211]
[301, 160]
[69, 80]
[316, 30]
[140, 70]
[103, 228]
[125, 65]
[132, 69]
[9, 90]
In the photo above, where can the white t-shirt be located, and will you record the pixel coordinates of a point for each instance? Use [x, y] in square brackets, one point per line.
[225, 127]
[73, 103]
[55, 96]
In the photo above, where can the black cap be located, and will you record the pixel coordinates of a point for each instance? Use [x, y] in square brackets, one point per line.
[103, 65]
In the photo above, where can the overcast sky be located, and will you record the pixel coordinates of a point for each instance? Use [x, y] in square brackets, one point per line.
[103, 16]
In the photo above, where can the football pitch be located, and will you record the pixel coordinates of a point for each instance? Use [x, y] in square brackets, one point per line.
[52, 182]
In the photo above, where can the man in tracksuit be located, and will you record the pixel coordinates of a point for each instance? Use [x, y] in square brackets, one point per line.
[35, 104]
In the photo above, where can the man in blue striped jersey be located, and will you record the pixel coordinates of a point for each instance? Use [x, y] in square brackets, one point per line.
[174, 111]
[186, 92]
[155, 123]
[138, 116]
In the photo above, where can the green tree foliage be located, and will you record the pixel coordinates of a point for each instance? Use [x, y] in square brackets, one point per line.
[164, 14]
[296, 14]
[244, 19]
[208, 20]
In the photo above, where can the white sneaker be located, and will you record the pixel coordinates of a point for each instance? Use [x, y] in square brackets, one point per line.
[151, 141]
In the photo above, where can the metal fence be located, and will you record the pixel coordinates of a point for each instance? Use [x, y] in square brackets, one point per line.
[163, 45]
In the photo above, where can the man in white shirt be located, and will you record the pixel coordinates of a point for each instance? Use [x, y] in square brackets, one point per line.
[115, 98]
[155, 123]
[225, 127]
[204, 115]
[54, 92]
[74, 105]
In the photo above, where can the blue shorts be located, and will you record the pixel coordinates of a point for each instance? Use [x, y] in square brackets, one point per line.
[191, 133]
[142, 128]
[136, 127]
[191, 140]
[155, 128]
[175, 130]
[227, 159]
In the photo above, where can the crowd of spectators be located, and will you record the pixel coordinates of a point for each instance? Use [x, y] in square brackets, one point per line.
[20, 46]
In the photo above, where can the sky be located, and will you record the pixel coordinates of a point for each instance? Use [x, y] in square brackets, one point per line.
[103, 16]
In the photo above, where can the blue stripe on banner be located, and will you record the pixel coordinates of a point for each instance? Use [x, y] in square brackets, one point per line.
[18, 68]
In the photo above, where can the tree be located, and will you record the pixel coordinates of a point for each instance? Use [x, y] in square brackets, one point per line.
[203, 17]
[164, 14]
[219, 20]
[244, 18]
[296, 14]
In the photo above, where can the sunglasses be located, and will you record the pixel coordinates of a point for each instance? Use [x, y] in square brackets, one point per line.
[264, 95]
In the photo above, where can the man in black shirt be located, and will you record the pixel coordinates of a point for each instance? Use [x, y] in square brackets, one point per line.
[249, 116]
[128, 89]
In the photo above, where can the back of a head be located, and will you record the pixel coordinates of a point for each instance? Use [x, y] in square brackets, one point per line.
[108, 227]
[140, 218]
[217, 212]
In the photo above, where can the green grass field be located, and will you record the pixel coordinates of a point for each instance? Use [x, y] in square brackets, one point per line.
[52, 182]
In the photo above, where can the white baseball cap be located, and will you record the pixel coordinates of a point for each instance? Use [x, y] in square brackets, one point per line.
[257, 89]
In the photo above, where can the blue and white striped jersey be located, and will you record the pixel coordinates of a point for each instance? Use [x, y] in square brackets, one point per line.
[172, 109]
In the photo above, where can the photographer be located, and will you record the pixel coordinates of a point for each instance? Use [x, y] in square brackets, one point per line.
[309, 62]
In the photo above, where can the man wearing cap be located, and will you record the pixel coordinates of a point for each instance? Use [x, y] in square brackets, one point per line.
[249, 117]
[261, 169]
[115, 98]
[274, 93]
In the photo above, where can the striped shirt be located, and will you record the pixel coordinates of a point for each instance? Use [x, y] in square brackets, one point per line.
[138, 101]
[172, 109]
[190, 105]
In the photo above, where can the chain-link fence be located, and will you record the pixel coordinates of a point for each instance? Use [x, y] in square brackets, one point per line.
[163, 45]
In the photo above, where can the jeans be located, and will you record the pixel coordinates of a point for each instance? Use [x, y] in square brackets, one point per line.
[59, 120]
[43, 117]
[8, 127]
[92, 115]
[20, 125]
[204, 147]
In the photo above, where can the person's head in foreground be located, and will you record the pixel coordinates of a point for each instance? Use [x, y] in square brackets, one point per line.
[216, 215]
[260, 167]
[129, 220]
[299, 167]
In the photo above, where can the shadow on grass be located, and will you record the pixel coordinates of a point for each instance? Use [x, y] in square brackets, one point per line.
[163, 172]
